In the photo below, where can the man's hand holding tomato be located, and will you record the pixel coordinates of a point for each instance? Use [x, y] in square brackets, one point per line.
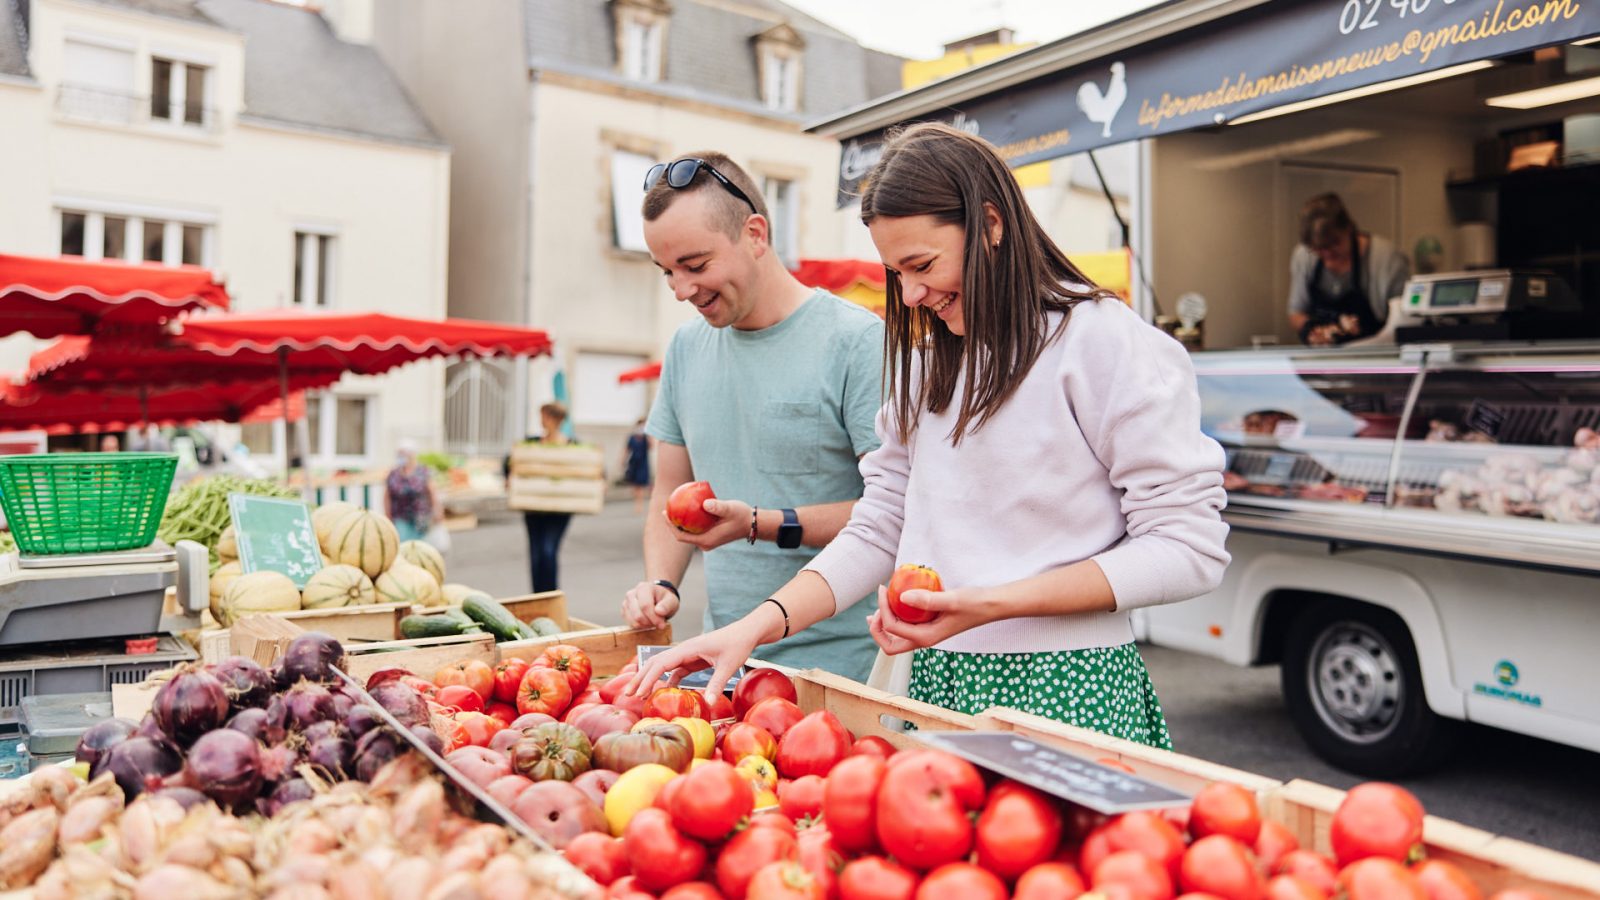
[731, 522]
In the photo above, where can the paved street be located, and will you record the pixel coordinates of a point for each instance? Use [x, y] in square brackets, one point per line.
[1532, 790]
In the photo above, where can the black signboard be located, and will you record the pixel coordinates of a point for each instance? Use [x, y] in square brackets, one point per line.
[1269, 56]
[699, 680]
[1060, 774]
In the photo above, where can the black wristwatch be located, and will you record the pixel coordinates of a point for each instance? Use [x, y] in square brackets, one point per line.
[789, 533]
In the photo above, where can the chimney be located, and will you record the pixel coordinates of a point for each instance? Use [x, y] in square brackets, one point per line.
[351, 20]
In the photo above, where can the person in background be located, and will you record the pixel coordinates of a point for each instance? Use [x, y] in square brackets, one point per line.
[768, 394]
[546, 529]
[1041, 451]
[408, 498]
[110, 443]
[1340, 277]
[636, 464]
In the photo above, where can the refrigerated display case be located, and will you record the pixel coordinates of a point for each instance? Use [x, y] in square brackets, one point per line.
[1415, 535]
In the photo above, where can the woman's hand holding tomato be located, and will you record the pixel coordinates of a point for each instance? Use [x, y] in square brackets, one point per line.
[954, 611]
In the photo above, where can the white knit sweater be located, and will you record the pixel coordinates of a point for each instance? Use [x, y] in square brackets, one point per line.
[1098, 455]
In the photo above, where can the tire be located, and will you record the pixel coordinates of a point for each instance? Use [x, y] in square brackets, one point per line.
[1354, 691]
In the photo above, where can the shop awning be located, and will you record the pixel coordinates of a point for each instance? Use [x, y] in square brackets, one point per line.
[24, 407]
[1199, 63]
[647, 372]
[860, 281]
[49, 297]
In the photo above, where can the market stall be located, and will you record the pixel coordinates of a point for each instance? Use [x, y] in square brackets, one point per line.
[55, 296]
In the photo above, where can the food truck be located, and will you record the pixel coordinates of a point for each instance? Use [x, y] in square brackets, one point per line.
[1416, 514]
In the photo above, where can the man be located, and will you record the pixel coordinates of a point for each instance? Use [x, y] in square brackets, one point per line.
[770, 395]
[1340, 278]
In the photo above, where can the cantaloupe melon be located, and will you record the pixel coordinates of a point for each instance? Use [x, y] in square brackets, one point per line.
[336, 586]
[408, 584]
[422, 553]
[365, 540]
[220, 579]
[324, 517]
[454, 593]
[228, 545]
[258, 592]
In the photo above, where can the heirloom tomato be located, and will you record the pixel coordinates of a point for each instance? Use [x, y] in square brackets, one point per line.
[599, 856]
[480, 728]
[713, 800]
[1049, 881]
[874, 745]
[876, 878]
[1221, 865]
[785, 881]
[813, 745]
[743, 739]
[1376, 819]
[719, 707]
[474, 673]
[775, 715]
[1018, 829]
[1145, 832]
[912, 578]
[1444, 880]
[569, 661]
[747, 852]
[758, 685]
[660, 855]
[671, 703]
[1310, 867]
[507, 678]
[849, 801]
[1272, 843]
[1145, 877]
[693, 890]
[802, 797]
[460, 698]
[1379, 878]
[506, 713]
[923, 805]
[1288, 887]
[821, 856]
[686, 507]
[543, 691]
[961, 880]
[1225, 808]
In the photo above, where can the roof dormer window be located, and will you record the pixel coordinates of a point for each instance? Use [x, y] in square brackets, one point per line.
[641, 38]
[779, 53]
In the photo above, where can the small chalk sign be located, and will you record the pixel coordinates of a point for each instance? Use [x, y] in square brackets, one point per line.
[1058, 773]
[699, 680]
[275, 534]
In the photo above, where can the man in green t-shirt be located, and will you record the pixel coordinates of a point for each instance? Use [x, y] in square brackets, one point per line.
[770, 395]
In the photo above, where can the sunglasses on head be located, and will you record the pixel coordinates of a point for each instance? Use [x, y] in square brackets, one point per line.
[680, 174]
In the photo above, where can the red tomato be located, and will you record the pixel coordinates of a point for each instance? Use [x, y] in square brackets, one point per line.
[1517, 894]
[507, 677]
[719, 707]
[923, 805]
[802, 797]
[775, 715]
[813, 746]
[1221, 865]
[821, 856]
[745, 855]
[1147, 878]
[713, 799]
[474, 673]
[907, 578]
[1049, 881]
[543, 691]
[507, 788]
[612, 687]
[671, 703]
[1018, 829]
[772, 818]
[1272, 843]
[1379, 878]
[784, 881]
[1376, 819]
[1145, 832]
[569, 661]
[876, 878]
[686, 507]
[422, 686]
[505, 712]
[450, 733]
[598, 855]
[1443, 880]
[628, 887]
[460, 698]
[1312, 868]
[961, 880]
[1225, 808]
[758, 685]
[658, 853]
[874, 745]
[694, 890]
[850, 801]
[1288, 887]
[576, 710]
[480, 729]
[743, 739]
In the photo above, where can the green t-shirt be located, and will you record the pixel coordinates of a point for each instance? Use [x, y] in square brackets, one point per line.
[777, 418]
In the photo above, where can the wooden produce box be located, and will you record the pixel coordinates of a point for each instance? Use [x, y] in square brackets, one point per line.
[608, 647]
[371, 622]
[264, 638]
[868, 711]
[547, 478]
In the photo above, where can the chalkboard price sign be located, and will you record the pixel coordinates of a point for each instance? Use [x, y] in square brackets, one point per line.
[275, 535]
[1060, 774]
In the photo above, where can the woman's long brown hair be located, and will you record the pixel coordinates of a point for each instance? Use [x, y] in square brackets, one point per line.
[935, 170]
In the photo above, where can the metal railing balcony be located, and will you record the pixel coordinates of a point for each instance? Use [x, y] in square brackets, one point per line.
[96, 104]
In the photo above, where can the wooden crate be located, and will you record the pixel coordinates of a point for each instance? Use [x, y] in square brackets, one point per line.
[1492, 861]
[869, 711]
[371, 622]
[264, 638]
[550, 478]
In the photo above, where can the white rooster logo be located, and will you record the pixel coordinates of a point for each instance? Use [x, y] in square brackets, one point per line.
[1102, 107]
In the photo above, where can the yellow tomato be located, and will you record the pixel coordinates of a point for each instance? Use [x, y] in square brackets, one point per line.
[760, 770]
[644, 723]
[636, 789]
[697, 763]
[705, 737]
[765, 799]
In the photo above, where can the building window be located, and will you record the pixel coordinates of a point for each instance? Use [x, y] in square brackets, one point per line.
[627, 196]
[97, 81]
[177, 91]
[338, 431]
[641, 48]
[350, 431]
[313, 269]
[784, 209]
[780, 82]
[98, 235]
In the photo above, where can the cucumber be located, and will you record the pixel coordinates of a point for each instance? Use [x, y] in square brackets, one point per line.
[494, 618]
[430, 626]
[544, 626]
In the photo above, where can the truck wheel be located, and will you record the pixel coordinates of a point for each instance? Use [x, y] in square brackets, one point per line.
[1354, 691]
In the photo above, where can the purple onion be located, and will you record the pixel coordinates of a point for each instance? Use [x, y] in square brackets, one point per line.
[306, 705]
[403, 702]
[248, 685]
[258, 724]
[291, 791]
[185, 797]
[280, 678]
[335, 754]
[360, 720]
[430, 737]
[320, 730]
[190, 704]
[342, 704]
[226, 765]
[140, 764]
[102, 736]
[278, 762]
[375, 749]
[313, 656]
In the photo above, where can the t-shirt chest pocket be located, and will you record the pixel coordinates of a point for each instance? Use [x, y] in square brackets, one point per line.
[790, 434]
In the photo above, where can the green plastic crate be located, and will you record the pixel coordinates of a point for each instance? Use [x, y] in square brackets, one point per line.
[85, 502]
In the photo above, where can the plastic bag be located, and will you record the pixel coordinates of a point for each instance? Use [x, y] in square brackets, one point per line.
[438, 537]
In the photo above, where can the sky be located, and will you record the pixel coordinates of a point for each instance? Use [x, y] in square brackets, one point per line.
[919, 28]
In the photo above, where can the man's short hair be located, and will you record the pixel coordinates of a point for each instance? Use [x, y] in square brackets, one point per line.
[727, 212]
[554, 410]
[1324, 221]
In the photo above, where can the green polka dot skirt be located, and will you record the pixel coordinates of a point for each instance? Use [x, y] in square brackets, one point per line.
[1106, 689]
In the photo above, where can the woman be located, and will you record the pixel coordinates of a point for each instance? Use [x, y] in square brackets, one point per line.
[1340, 277]
[1041, 450]
[546, 529]
[408, 498]
[636, 464]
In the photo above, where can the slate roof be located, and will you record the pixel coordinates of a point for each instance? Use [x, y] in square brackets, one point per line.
[710, 54]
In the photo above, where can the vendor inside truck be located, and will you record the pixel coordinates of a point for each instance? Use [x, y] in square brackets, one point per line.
[1340, 278]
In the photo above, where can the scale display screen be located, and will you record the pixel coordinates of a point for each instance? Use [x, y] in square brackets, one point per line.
[1453, 294]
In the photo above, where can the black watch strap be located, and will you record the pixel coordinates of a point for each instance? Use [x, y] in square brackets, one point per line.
[790, 533]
